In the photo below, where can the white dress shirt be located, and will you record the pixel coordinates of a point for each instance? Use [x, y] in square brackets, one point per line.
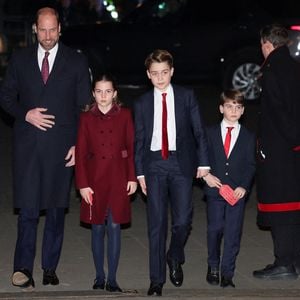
[234, 133]
[51, 57]
[157, 125]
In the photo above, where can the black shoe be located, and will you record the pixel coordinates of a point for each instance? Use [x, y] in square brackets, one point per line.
[22, 278]
[98, 285]
[276, 272]
[113, 288]
[155, 289]
[225, 282]
[213, 276]
[49, 277]
[175, 272]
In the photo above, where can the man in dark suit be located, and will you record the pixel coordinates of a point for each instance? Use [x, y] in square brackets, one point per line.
[45, 98]
[167, 156]
[231, 149]
[278, 171]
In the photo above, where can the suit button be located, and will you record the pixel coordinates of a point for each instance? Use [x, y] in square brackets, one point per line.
[226, 174]
[227, 164]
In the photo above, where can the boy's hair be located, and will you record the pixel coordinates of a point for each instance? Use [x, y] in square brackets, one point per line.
[276, 34]
[159, 56]
[232, 95]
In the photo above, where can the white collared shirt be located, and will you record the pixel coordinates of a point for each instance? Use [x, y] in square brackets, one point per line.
[51, 57]
[234, 133]
[157, 125]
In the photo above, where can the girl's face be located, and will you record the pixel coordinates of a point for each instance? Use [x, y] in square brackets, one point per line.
[104, 94]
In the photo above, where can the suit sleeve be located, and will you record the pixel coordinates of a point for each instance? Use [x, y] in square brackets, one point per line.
[199, 131]
[9, 92]
[139, 138]
[130, 147]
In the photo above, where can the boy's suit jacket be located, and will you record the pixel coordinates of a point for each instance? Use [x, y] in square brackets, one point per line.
[191, 142]
[239, 168]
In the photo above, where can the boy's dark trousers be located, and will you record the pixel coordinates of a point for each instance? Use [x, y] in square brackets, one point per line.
[166, 185]
[224, 222]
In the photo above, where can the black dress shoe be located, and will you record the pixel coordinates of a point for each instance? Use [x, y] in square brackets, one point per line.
[155, 289]
[227, 282]
[98, 285]
[22, 278]
[175, 272]
[113, 288]
[49, 277]
[213, 276]
[276, 272]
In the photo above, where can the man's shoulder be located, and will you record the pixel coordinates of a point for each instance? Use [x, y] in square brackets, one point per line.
[71, 53]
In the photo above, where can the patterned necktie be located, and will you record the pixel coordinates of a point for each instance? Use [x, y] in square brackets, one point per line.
[227, 140]
[45, 67]
[164, 140]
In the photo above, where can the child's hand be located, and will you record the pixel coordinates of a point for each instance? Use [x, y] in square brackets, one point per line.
[212, 181]
[87, 195]
[131, 187]
[239, 192]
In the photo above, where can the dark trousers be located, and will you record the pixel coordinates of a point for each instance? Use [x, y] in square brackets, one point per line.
[286, 241]
[27, 233]
[224, 222]
[113, 249]
[166, 185]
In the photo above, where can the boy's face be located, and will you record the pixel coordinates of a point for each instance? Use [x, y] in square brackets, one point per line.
[160, 75]
[232, 111]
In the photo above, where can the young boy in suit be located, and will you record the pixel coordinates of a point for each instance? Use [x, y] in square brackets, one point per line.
[170, 149]
[231, 149]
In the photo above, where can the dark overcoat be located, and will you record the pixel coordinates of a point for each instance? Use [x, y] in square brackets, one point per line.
[41, 179]
[105, 163]
[278, 176]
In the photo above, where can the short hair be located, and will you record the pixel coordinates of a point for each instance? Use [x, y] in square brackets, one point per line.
[45, 11]
[276, 34]
[159, 56]
[232, 95]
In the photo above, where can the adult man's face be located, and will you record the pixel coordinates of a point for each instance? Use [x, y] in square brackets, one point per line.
[47, 30]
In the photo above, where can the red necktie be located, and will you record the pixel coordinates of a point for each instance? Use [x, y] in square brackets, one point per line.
[227, 140]
[45, 67]
[164, 140]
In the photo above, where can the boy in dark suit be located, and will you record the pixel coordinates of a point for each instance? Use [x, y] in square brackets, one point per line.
[170, 149]
[232, 164]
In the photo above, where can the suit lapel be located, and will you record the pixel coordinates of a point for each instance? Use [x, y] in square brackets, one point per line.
[59, 63]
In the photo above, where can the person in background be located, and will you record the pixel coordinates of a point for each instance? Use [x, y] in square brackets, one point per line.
[170, 150]
[278, 164]
[105, 175]
[45, 87]
[232, 163]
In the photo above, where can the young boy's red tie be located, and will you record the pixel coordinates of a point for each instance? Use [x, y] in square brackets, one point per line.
[227, 140]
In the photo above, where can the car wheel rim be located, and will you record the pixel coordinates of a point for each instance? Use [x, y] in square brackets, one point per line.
[246, 79]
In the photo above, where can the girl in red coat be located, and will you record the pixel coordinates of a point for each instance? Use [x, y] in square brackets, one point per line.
[105, 175]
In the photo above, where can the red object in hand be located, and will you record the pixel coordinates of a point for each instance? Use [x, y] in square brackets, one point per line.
[228, 194]
[91, 198]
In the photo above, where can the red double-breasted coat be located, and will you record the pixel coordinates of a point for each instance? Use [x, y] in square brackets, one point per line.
[105, 163]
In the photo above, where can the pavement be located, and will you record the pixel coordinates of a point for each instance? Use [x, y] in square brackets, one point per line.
[76, 269]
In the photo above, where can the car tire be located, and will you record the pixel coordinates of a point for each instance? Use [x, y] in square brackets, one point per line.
[242, 72]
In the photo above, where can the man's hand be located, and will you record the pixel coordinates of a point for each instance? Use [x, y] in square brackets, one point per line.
[37, 118]
[70, 157]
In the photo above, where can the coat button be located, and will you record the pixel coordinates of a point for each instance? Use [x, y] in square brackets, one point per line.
[226, 174]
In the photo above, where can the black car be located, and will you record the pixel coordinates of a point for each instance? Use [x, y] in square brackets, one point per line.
[211, 42]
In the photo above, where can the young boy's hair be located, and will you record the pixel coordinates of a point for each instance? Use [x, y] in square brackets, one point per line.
[159, 56]
[232, 95]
